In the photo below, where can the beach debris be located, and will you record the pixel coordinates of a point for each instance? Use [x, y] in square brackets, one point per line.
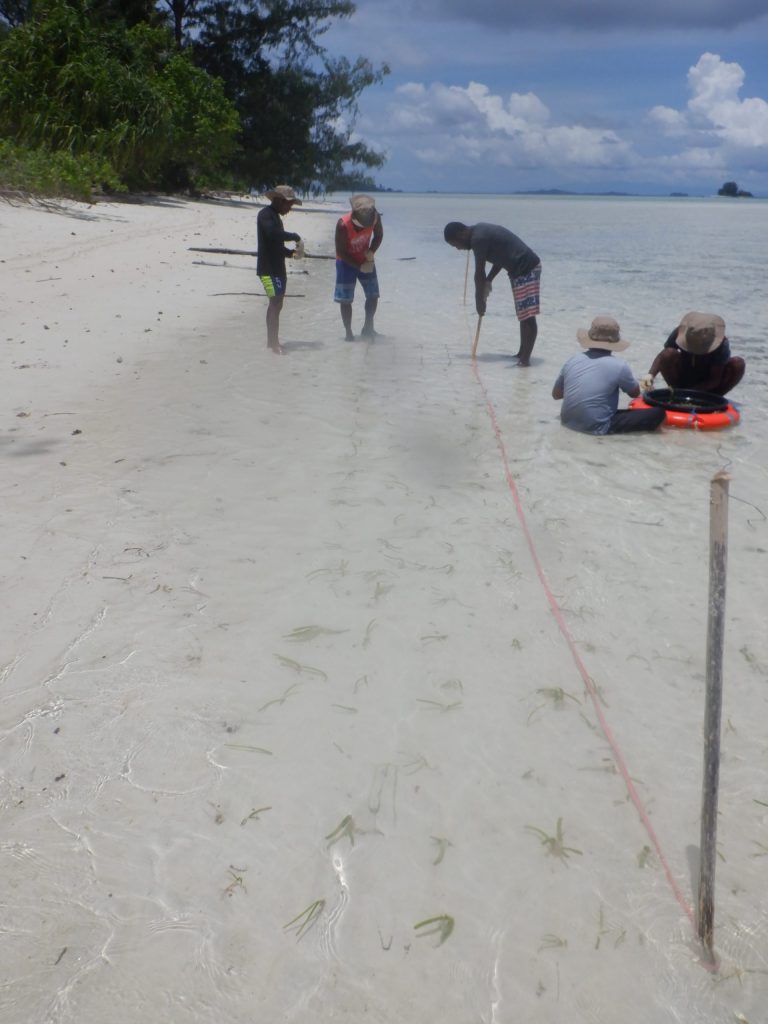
[346, 827]
[554, 844]
[442, 845]
[304, 921]
[299, 668]
[554, 695]
[645, 857]
[441, 925]
[237, 882]
[438, 705]
[254, 814]
[247, 746]
[430, 638]
[303, 634]
[280, 700]
[368, 632]
[603, 929]
[551, 941]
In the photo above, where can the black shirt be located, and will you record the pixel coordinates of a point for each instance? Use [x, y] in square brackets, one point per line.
[697, 368]
[271, 235]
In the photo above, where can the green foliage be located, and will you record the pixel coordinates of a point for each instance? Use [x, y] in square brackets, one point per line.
[297, 105]
[231, 89]
[126, 97]
[40, 172]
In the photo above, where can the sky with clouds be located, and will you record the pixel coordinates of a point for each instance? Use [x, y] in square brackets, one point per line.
[647, 96]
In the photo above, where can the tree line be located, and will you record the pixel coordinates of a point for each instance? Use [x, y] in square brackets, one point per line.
[178, 95]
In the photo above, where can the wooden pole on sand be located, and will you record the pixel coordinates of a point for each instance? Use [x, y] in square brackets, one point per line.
[477, 335]
[718, 557]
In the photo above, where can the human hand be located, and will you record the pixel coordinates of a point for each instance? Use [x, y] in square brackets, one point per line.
[646, 382]
[488, 289]
[293, 237]
[480, 307]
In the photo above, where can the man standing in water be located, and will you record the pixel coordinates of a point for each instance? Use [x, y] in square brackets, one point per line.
[271, 256]
[494, 244]
[358, 235]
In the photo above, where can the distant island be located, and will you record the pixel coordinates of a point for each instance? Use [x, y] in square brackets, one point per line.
[565, 192]
[730, 188]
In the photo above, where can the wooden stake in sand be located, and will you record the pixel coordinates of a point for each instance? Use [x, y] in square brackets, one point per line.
[477, 335]
[718, 556]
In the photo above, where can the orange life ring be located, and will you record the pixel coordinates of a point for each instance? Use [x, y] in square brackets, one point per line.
[694, 420]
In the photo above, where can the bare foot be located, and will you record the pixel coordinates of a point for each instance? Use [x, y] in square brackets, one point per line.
[277, 349]
[368, 332]
[349, 336]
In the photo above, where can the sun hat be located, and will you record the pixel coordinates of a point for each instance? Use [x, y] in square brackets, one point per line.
[700, 333]
[603, 333]
[362, 203]
[283, 192]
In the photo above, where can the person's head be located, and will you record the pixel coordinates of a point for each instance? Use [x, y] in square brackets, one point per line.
[700, 333]
[283, 198]
[457, 235]
[604, 333]
[363, 210]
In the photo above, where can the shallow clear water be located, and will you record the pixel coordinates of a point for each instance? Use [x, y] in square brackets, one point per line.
[340, 690]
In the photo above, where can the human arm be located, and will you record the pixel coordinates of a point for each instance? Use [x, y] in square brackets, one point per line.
[272, 234]
[558, 388]
[481, 284]
[378, 234]
[627, 382]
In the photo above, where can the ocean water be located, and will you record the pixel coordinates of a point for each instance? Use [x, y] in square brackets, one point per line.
[395, 712]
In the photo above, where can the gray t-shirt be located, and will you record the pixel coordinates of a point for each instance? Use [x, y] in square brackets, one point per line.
[494, 244]
[590, 383]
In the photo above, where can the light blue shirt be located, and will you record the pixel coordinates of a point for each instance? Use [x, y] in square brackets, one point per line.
[591, 383]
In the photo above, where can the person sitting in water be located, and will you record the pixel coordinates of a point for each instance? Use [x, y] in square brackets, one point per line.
[589, 385]
[697, 355]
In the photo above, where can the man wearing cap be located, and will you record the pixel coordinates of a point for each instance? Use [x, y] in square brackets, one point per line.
[271, 256]
[358, 235]
[589, 385]
[697, 355]
[498, 246]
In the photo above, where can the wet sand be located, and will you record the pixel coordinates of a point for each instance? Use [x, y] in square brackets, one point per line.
[301, 652]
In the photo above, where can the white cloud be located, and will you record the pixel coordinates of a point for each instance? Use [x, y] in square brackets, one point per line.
[716, 109]
[465, 125]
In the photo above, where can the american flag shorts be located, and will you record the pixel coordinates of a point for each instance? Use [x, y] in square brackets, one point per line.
[526, 292]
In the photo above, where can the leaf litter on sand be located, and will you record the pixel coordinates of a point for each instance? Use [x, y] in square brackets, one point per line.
[303, 634]
[441, 925]
[301, 669]
[554, 844]
[304, 921]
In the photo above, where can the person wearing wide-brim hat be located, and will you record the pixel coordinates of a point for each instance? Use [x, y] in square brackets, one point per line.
[272, 254]
[697, 355]
[589, 385]
[359, 234]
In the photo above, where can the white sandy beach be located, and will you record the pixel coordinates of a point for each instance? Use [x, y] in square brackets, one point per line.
[281, 675]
